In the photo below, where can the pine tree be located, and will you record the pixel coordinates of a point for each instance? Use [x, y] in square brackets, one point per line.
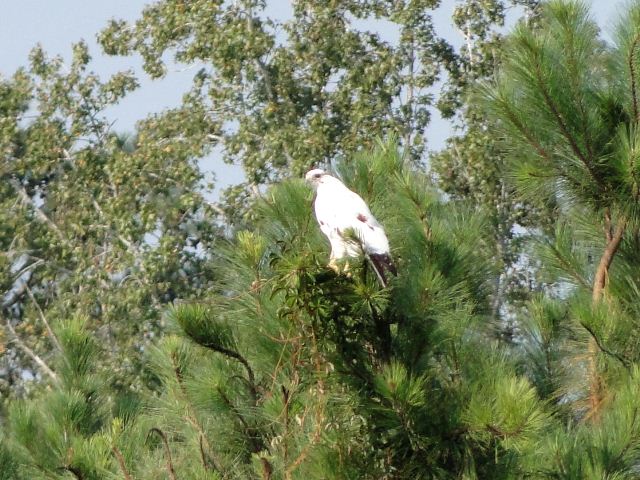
[580, 153]
[79, 428]
[289, 371]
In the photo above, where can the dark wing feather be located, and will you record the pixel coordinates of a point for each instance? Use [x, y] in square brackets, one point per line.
[382, 262]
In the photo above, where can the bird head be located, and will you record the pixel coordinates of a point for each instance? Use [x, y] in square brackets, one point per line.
[314, 177]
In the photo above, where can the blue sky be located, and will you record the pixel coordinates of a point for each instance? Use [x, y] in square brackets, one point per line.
[56, 24]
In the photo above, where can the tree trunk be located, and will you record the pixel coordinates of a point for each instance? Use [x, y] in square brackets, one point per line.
[596, 383]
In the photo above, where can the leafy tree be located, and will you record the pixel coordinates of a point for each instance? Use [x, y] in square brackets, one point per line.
[286, 94]
[275, 367]
[91, 224]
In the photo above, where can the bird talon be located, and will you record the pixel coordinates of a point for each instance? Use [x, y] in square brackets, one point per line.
[334, 266]
[347, 269]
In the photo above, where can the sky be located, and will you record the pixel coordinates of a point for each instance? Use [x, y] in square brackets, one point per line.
[56, 24]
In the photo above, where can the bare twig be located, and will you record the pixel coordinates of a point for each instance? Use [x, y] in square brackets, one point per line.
[52, 335]
[22, 192]
[33, 355]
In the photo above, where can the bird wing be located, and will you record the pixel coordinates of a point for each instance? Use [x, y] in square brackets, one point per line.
[339, 209]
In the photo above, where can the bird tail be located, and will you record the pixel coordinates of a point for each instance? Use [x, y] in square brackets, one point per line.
[382, 262]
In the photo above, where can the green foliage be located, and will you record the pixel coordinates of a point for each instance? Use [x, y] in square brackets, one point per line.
[307, 374]
[94, 225]
[162, 346]
[472, 165]
[290, 93]
[286, 370]
[578, 342]
[72, 428]
[562, 74]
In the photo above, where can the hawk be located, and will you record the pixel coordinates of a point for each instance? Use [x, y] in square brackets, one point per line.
[340, 211]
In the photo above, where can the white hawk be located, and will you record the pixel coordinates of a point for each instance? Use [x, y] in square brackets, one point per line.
[340, 210]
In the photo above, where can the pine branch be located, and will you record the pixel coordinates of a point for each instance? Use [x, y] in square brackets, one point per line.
[577, 94]
[625, 363]
[319, 417]
[632, 76]
[515, 121]
[608, 229]
[252, 434]
[609, 253]
[632, 439]
[236, 356]
[256, 442]
[599, 282]
[504, 434]
[121, 463]
[163, 436]
[383, 332]
[192, 419]
[267, 469]
[76, 472]
[563, 127]
[207, 463]
[285, 443]
[567, 266]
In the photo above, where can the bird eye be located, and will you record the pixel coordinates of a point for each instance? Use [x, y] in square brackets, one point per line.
[318, 175]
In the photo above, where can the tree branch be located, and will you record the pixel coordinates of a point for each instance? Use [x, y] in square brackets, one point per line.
[123, 467]
[567, 266]
[75, 471]
[603, 349]
[252, 434]
[125, 242]
[596, 382]
[54, 339]
[33, 355]
[613, 243]
[515, 121]
[163, 436]
[564, 129]
[207, 463]
[22, 192]
[235, 355]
